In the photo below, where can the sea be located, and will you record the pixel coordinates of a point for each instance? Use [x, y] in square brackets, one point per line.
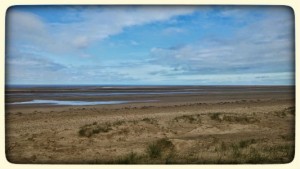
[119, 94]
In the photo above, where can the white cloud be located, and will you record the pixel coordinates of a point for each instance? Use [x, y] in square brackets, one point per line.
[257, 47]
[80, 42]
[172, 31]
[259, 52]
[286, 78]
[134, 43]
[25, 27]
[24, 22]
[95, 24]
[30, 37]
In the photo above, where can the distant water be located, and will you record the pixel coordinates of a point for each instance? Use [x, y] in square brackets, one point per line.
[84, 86]
[103, 94]
[100, 93]
[115, 94]
[77, 103]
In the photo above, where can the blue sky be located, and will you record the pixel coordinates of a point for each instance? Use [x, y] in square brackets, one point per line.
[150, 45]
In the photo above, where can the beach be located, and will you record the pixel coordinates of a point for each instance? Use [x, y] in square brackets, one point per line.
[150, 125]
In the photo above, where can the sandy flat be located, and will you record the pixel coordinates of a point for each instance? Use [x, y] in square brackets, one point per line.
[220, 128]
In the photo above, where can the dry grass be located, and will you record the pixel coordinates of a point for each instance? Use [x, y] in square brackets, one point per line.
[158, 152]
[131, 158]
[150, 120]
[160, 148]
[290, 110]
[249, 151]
[219, 151]
[252, 151]
[94, 128]
[236, 118]
[285, 112]
[200, 138]
[189, 118]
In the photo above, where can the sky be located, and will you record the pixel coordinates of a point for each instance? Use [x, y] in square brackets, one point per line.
[150, 45]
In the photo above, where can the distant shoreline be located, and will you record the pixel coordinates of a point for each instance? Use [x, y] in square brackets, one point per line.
[96, 85]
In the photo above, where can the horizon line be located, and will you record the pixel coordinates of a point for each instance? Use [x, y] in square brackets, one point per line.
[149, 85]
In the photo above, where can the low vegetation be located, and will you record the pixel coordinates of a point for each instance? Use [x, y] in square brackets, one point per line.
[232, 118]
[189, 118]
[157, 152]
[288, 137]
[285, 112]
[290, 110]
[118, 123]
[256, 150]
[160, 148]
[131, 158]
[246, 143]
[252, 151]
[248, 151]
[94, 128]
[150, 120]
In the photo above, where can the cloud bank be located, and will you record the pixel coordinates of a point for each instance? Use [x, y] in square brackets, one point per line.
[150, 45]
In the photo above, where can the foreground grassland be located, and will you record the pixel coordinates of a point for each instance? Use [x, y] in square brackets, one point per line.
[251, 131]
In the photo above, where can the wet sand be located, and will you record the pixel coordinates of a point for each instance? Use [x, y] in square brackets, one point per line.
[224, 125]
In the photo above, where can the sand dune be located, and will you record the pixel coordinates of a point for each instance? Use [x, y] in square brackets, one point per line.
[232, 131]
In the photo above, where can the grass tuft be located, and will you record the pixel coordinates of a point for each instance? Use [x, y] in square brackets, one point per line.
[281, 114]
[246, 143]
[131, 158]
[215, 116]
[189, 118]
[159, 148]
[290, 110]
[118, 123]
[150, 120]
[94, 128]
[232, 118]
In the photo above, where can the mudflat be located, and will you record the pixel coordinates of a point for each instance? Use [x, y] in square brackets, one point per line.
[186, 125]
